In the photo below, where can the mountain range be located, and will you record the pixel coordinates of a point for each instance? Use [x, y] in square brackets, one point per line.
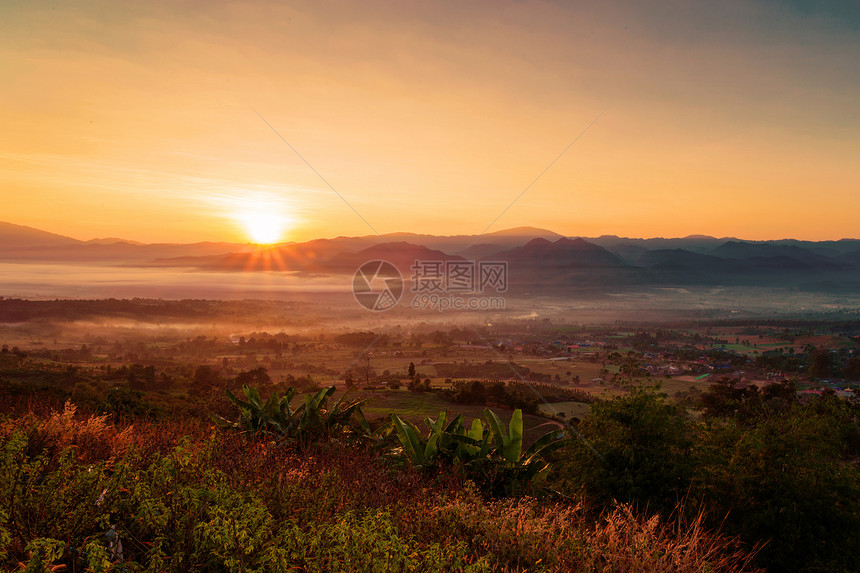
[539, 261]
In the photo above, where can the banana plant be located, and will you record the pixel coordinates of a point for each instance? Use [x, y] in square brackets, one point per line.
[467, 446]
[309, 420]
[518, 467]
[255, 416]
[491, 453]
[343, 410]
[313, 410]
[317, 419]
[509, 442]
[420, 451]
[441, 441]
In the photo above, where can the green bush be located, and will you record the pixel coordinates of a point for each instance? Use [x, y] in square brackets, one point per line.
[786, 481]
[772, 471]
[633, 448]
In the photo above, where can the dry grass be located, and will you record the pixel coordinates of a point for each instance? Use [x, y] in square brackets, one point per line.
[527, 534]
[65, 429]
[627, 541]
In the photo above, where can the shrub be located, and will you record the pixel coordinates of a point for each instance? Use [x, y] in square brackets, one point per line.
[633, 448]
[785, 481]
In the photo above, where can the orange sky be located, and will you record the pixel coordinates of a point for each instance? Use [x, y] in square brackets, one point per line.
[139, 119]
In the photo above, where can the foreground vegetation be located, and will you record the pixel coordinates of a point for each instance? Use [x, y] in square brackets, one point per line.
[767, 468]
[639, 486]
[180, 497]
[227, 462]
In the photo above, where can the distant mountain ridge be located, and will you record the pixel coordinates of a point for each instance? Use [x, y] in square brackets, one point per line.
[18, 236]
[539, 260]
[20, 243]
[562, 253]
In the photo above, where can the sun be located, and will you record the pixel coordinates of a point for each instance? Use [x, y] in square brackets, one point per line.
[264, 228]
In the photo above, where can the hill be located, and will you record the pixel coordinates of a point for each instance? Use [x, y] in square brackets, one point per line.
[539, 260]
[19, 237]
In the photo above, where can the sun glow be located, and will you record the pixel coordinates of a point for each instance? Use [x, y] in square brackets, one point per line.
[263, 215]
[264, 228]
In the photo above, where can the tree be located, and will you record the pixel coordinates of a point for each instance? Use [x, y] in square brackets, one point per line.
[349, 379]
[411, 370]
[256, 377]
[727, 398]
[205, 380]
[416, 385]
[634, 448]
[785, 481]
[819, 363]
[125, 403]
[852, 368]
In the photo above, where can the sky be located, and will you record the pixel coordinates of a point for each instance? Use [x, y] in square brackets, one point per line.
[188, 121]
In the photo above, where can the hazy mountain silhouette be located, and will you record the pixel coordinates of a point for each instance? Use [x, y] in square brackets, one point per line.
[308, 256]
[455, 244]
[401, 254]
[563, 253]
[121, 252]
[565, 266]
[852, 257]
[760, 255]
[539, 261]
[317, 256]
[695, 243]
[683, 260]
[19, 236]
[827, 248]
[112, 241]
[482, 251]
